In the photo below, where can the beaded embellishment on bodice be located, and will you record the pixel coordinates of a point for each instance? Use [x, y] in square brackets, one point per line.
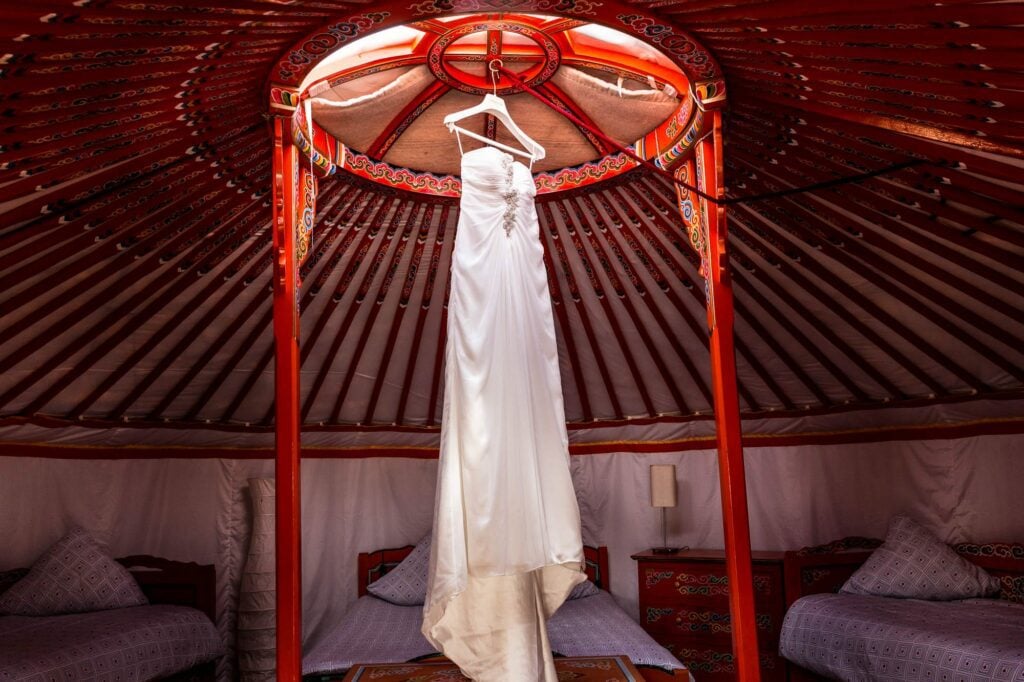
[511, 195]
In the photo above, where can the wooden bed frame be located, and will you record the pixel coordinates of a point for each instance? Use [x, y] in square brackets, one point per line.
[824, 568]
[178, 583]
[373, 565]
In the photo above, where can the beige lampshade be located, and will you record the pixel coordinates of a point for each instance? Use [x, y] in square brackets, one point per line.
[663, 485]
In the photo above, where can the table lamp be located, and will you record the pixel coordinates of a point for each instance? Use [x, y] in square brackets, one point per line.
[663, 495]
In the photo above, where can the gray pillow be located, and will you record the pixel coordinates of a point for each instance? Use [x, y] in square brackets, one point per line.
[584, 589]
[406, 583]
[73, 575]
[914, 564]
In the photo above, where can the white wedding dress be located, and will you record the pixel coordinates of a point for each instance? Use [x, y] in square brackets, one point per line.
[506, 546]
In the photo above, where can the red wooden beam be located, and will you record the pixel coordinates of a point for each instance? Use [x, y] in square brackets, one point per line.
[564, 331]
[795, 220]
[494, 44]
[442, 342]
[286, 391]
[924, 132]
[670, 231]
[727, 414]
[159, 298]
[808, 14]
[638, 192]
[934, 221]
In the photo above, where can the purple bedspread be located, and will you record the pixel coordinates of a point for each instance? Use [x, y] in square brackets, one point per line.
[374, 631]
[596, 626]
[131, 644]
[856, 637]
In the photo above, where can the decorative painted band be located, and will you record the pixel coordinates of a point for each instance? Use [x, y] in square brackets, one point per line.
[700, 68]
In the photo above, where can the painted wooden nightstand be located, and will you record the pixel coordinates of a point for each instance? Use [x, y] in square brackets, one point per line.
[684, 605]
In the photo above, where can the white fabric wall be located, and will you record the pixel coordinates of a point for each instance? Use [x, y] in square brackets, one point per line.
[196, 509]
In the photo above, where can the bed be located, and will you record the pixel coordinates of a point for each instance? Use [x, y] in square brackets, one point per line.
[172, 638]
[831, 635]
[376, 631]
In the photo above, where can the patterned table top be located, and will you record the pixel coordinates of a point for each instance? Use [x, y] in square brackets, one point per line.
[579, 669]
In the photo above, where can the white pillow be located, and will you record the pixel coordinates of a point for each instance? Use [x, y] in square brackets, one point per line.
[406, 583]
[74, 575]
[584, 589]
[914, 564]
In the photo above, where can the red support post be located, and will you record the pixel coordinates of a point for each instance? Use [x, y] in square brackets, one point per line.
[727, 411]
[286, 394]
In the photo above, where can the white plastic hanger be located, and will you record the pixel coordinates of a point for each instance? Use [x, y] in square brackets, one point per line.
[494, 105]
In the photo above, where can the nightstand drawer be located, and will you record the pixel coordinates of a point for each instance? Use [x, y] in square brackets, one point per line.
[712, 661]
[687, 619]
[704, 581]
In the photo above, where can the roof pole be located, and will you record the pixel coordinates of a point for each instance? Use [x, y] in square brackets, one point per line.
[286, 395]
[727, 412]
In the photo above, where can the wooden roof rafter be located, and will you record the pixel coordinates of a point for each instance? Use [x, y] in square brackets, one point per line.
[612, 261]
[555, 244]
[891, 211]
[631, 226]
[399, 232]
[440, 253]
[871, 234]
[115, 192]
[927, 296]
[602, 290]
[623, 232]
[367, 234]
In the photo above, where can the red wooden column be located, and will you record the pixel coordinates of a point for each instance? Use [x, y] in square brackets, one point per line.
[286, 395]
[727, 412]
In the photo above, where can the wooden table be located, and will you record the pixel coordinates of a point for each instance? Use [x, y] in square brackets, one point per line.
[578, 669]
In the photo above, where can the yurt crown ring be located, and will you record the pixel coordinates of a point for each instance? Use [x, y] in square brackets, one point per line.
[446, 63]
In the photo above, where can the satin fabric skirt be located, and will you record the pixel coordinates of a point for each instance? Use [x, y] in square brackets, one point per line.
[506, 546]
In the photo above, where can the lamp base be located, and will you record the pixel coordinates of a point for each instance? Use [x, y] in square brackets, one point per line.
[668, 550]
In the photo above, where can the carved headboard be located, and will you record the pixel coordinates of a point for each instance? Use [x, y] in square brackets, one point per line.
[164, 581]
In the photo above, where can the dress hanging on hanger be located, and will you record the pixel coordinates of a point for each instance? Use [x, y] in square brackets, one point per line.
[506, 547]
[495, 106]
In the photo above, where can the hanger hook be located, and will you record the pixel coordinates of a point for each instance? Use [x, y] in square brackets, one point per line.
[494, 73]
